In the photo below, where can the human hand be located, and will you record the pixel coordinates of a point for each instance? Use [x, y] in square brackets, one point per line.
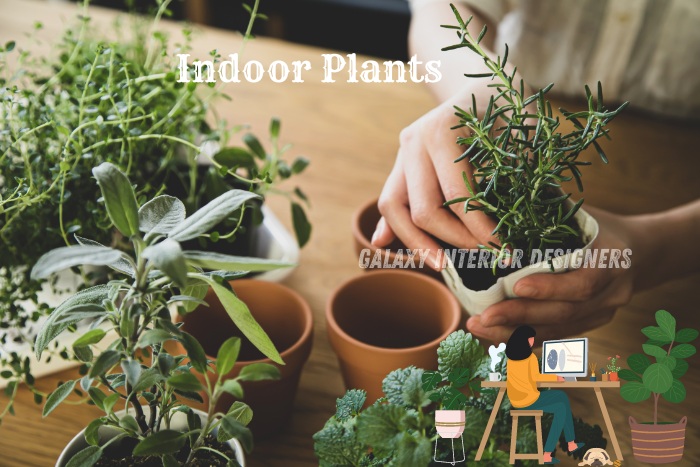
[560, 379]
[558, 305]
[425, 176]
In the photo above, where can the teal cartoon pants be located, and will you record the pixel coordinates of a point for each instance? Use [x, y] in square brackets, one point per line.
[557, 403]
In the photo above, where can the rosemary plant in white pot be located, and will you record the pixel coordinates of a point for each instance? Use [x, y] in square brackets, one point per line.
[131, 375]
[520, 157]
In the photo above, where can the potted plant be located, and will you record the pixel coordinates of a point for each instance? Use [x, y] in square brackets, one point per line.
[658, 442]
[613, 368]
[592, 367]
[521, 157]
[92, 100]
[134, 371]
[400, 427]
[271, 401]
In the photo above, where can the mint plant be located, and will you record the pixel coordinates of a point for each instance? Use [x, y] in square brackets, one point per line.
[670, 347]
[521, 157]
[130, 321]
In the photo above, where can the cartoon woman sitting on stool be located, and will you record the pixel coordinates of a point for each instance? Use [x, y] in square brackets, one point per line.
[523, 376]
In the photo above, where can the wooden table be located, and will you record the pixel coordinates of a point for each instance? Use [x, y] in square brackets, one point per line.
[350, 133]
[597, 387]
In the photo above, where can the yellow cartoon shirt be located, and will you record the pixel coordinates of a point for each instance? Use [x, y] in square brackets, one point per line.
[521, 384]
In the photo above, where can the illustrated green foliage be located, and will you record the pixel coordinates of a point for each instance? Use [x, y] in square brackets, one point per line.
[399, 429]
[670, 348]
[133, 313]
[521, 157]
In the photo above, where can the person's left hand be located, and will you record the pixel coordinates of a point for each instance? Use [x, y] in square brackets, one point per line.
[560, 379]
[560, 305]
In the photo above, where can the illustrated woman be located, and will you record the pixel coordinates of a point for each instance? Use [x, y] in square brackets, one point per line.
[523, 376]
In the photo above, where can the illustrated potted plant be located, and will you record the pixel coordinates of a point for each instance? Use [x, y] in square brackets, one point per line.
[659, 442]
[613, 369]
[520, 158]
[401, 428]
[94, 99]
[138, 384]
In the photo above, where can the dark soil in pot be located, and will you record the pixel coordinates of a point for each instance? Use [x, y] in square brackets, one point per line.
[115, 457]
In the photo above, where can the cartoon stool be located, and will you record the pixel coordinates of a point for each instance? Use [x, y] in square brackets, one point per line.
[514, 436]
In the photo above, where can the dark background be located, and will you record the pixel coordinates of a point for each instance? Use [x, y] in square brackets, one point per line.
[371, 27]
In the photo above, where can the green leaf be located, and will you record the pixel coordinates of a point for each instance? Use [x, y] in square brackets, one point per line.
[243, 319]
[634, 392]
[241, 412]
[132, 370]
[259, 372]
[669, 362]
[656, 333]
[453, 399]
[667, 323]
[302, 227]
[161, 442]
[185, 382]
[153, 337]
[119, 198]
[148, 378]
[299, 164]
[89, 338]
[629, 375]
[274, 128]
[86, 457]
[233, 387]
[217, 261]
[654, 351]
[10, 46]
[109, 402]
[104, 363]
[414, 450]
[92, 431]
[254, 145]
[676, 394]
[122, 265]
[350, 404]
[234, 157]
[459, 350]
[195, 352]
[161, 214]
[683, 351]
[167, 256]
[70, 256]
[211, 214]
[680, 370]
[97, 397]
[380, 426]
[227, 355]
[686, 335]
[657, 378]
[170, 461]
[638, 362]
[430, 380]
[237, 430]
[459, 377]
[57, 396]
[128, 422]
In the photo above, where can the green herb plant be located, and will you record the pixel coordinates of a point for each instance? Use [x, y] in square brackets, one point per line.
[521, 156]
[126, 364]
[399, 429]
[670, 347]
[115, 100]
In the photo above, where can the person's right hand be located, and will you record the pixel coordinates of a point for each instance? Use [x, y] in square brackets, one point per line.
[425, 176]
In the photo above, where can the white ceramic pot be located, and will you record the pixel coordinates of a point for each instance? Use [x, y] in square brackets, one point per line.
[178, 422]
[476, 301]
[450, 423]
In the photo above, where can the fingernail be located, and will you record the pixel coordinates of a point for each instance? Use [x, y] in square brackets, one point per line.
[495, 320]
[378, 231]
[525, 291]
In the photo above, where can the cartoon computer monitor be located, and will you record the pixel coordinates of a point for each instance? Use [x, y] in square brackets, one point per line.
[566, 357]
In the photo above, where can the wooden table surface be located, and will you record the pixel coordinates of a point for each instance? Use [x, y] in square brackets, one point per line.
[350, 133]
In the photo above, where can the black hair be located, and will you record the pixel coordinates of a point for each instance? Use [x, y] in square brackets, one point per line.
[518, 347]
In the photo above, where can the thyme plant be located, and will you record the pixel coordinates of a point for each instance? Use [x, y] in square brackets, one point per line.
[521, 155]
[130, 320]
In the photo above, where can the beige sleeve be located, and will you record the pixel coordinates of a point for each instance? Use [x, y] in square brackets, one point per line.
[493, 10]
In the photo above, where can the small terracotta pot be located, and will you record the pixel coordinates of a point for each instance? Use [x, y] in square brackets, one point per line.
[605, 377]
[364, 222]
[387, 320]
[450, 423]
[613, 376]
[287, 319]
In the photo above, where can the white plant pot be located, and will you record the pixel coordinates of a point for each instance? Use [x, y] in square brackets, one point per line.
[178, 422]
[476, 301]
[450, 423]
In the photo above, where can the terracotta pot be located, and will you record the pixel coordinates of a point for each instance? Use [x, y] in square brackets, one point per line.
[178, 422]
[450, 423]
[387, 320]
[613, 376]
[287, 319]
[364, 222]
[658, 444]
[605, 377]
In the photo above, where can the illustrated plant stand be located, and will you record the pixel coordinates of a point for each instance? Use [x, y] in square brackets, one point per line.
[450, 425]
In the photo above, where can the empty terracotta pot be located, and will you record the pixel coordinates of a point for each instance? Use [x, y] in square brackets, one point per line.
[287, 319]
[364, 223]
[387, 320]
